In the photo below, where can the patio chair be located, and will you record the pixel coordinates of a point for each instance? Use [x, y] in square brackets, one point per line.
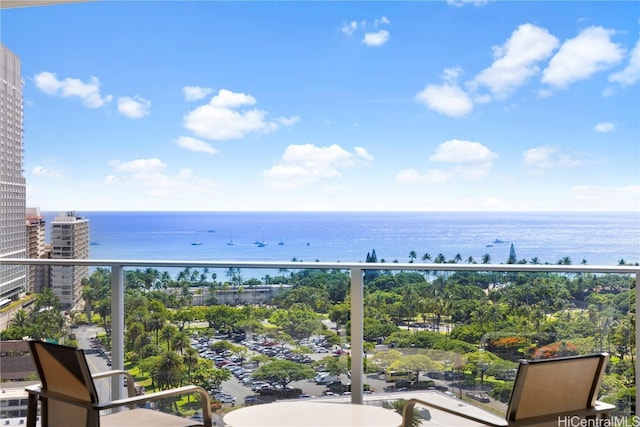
[68, 395]
[548, 392]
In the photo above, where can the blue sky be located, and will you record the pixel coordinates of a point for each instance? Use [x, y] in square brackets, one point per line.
[393, 106]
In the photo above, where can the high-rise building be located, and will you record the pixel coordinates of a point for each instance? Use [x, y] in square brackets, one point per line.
[36, 277]
[69, 240]
[13, 235]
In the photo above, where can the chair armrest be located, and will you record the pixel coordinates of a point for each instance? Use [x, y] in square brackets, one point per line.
[204, 400]
[130, 401]
[117, 372]
[407, 414]
[36, 390]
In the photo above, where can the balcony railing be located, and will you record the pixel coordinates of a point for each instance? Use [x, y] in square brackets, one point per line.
[357, 270]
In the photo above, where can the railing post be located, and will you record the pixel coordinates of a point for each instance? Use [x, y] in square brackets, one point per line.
[637, 335]
[117, 328]
[357, 334]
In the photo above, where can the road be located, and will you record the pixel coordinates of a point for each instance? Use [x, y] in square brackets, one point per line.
[97, 363]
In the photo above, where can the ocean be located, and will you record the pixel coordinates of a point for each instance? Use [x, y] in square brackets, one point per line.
[600, 238]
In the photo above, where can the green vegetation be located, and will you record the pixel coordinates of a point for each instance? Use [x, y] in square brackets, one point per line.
[471, 326]
[43, 321]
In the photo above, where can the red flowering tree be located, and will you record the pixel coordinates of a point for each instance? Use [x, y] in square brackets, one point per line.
[556, 349]
[509, 348]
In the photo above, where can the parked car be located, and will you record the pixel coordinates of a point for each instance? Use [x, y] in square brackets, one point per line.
[325, 378]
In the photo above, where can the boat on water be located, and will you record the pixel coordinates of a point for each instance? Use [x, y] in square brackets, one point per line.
[280, 243]
[196, 243]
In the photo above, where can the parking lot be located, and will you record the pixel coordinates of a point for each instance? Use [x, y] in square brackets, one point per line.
[241, 387]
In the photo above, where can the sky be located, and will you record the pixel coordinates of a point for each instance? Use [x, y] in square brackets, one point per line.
[336, 106]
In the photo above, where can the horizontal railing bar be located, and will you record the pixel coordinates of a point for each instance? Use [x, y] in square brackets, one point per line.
[541, 268]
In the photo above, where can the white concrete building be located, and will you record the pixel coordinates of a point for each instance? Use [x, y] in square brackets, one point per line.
[13, 236]
[37, 276]
[69, 240]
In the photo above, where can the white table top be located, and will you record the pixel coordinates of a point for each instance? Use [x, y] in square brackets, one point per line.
[312, 414]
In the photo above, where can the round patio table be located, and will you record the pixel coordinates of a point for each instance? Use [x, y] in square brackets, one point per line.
[312, 414]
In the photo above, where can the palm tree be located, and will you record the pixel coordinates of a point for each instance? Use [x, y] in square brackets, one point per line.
[164, 281]
[150, 277]
[426, 257]
[20, 319]
[486, 259]
[564, 261]
[156, 324]
[181, 342]
[412, 256]
[167, 372]
[190, 359]
[89, 294]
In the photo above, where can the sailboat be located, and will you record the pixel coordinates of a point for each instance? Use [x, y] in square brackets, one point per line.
[260, 243]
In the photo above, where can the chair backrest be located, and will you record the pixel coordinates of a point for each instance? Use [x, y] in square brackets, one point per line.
[554, 386]
[63, 370]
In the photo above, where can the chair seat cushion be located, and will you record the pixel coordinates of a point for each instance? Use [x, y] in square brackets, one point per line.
[147, 417]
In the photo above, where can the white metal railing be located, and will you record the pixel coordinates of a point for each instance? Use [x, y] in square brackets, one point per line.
[357, 295]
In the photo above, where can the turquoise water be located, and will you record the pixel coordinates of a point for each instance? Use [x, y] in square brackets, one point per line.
[600, 238]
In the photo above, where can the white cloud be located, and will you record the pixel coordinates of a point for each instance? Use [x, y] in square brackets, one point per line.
[515, 61]
[362, 153]
[194, 93]
[625, 198]
[604, 127]
[376, 39]
[458, 151]
[469, 160]
[193, 144]
[447, 99]
[460, 3]
[221, 118]
[227, 99]
[589, 52]
[631, 73]
[133, 108]
[88, 92]
[372, 34]
[47, 172]
[547, 157]
[349, 27]
[139, 165]
[304, 164]
[288, 121]
[144, 179]
[384, 20]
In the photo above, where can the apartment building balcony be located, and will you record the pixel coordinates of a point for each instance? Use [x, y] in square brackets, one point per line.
[452, 383]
